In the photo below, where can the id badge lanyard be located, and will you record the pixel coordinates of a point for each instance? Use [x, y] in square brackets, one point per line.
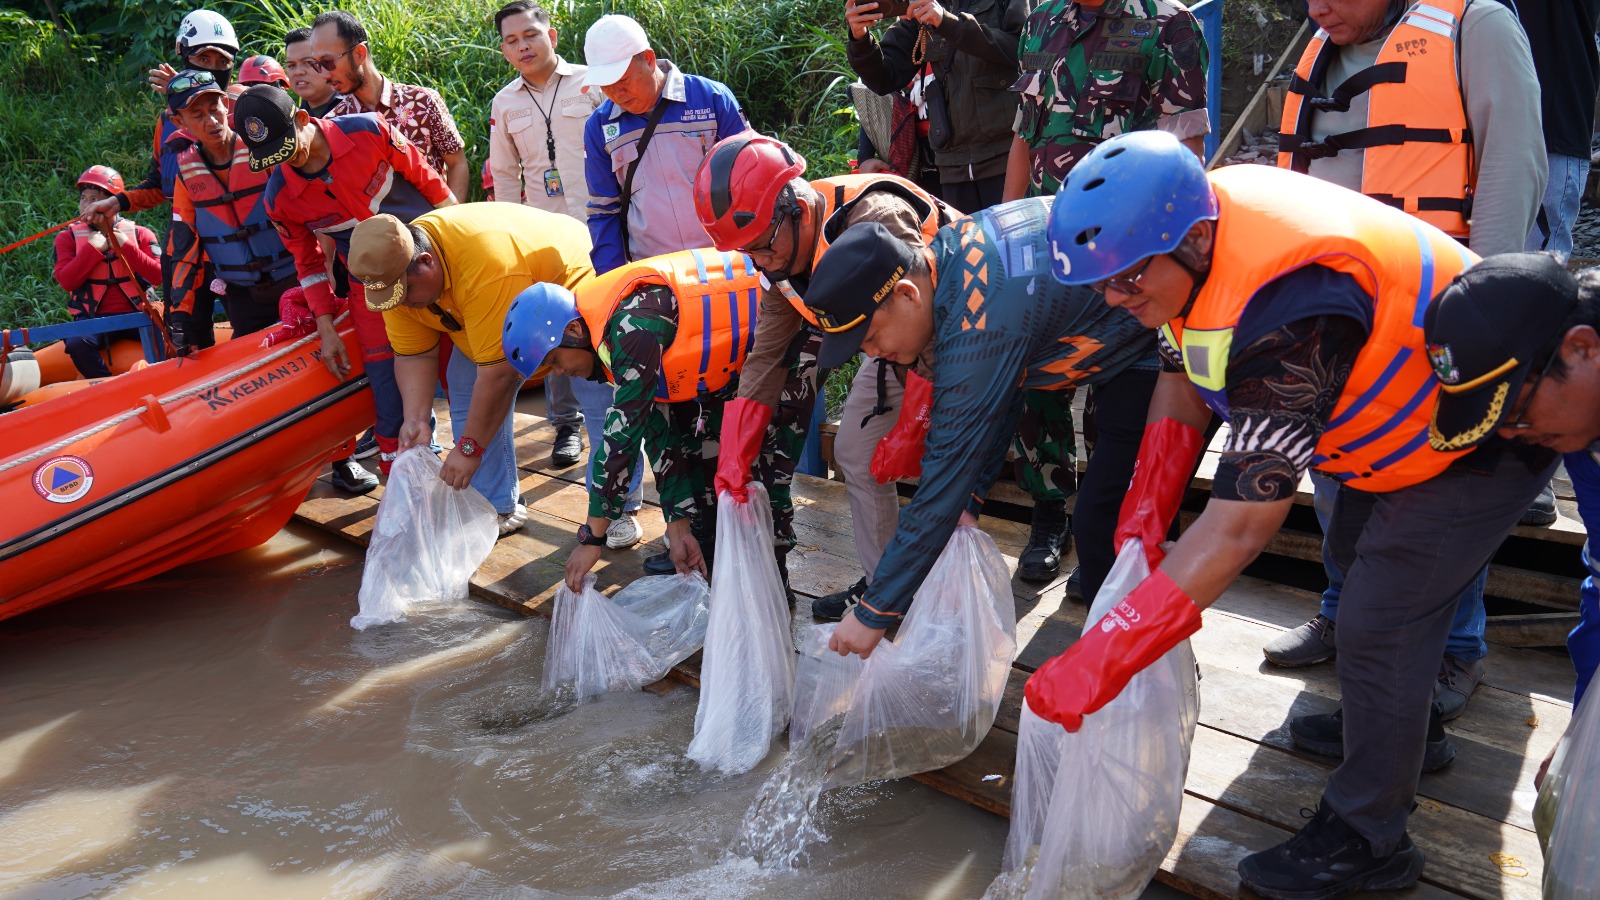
[552, 176]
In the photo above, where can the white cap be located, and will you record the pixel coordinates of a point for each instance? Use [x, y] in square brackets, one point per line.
[608, 48]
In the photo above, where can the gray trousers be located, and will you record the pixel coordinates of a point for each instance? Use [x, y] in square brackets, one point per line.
[874, 507]
[1407, 555]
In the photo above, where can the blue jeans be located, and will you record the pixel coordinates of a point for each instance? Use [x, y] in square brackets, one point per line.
[1563, 196]
[560, 404]
[595, 398]
[1466, 631]
[496, 478]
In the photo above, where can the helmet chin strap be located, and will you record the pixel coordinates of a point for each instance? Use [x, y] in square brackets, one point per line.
[1197, 277]
[789, 205]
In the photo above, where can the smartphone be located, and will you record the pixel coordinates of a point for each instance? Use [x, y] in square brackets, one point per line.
[893, 9]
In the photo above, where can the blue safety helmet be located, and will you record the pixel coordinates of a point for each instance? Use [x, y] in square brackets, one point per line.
[534, 325]
[1134, 196]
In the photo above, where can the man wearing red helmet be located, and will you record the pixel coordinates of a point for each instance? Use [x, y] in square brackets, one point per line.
[750, 196]
[262, 69]
[96, 273]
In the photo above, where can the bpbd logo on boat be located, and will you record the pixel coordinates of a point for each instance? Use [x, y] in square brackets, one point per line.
[63, 479]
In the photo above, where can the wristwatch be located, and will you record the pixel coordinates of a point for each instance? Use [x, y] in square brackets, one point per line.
[469, 447]
[589, 538]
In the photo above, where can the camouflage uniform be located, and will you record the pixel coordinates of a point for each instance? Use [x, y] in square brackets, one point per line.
[681, 438]
[1089, 75]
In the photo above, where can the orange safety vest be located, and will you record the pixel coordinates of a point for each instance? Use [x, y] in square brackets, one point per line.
[717, 297]
[839, 195]
[1418, 146]
[106, 278]
[1377, 439]
[230, 218]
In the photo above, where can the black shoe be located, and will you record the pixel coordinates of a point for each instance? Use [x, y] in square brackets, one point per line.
[1328, 859]
[367, 445]
[1324, 736]
[351, 478]
[1050, 539]
[660, 564]
[833, 607]
[1543, 509]
[568, 446]
[1075, 585]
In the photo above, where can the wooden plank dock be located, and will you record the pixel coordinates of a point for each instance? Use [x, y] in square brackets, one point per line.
[1247, 784]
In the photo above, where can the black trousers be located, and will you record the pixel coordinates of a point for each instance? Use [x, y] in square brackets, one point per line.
[1120, 407]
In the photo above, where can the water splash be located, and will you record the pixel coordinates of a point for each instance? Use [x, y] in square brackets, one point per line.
[544, 706]
[781, 823]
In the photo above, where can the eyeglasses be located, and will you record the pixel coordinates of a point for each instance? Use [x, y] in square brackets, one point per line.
[767, 247]
[448, 321]
[190, 80]
[1514, 421]
[328, 64]
[1126, 283]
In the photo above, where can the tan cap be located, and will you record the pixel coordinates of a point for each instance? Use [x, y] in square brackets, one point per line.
[380, 251]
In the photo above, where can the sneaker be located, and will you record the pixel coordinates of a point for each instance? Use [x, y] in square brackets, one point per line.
[660, 564]
[512, 522]
[568, 446]
[1457, 680]
[351, 478]
[1328, 859]
[1049, 540]
[1075, 585]
[1307, 645]
[1324, 736]
[1543, 509]
[624, 532]
[367, 445]
[834, 606]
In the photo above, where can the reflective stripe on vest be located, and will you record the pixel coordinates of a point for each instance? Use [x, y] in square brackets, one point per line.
[838, 196]
[231, 219]
[717, 295]
[1377, 438]
[1417, 146]
[105, 277]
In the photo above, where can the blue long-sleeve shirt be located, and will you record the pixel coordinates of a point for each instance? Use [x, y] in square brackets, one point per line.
[1002, 323]
[1584, 641]
[661, 216]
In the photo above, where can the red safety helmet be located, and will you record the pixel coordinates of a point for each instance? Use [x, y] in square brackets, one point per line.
[103, 177]
[263, 70]
[739, 186]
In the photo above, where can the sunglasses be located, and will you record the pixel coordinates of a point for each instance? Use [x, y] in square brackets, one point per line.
[448, 321]
[328, 64]
[190, 80]
[1514, 421]
[1126, 283]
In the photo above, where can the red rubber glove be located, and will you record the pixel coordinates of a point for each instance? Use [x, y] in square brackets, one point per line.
[744, 427]
[1155, 617]
[1166, 458]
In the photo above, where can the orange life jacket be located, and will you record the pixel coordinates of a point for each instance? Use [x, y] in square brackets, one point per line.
[107, 280]
[1418, 146]
[1377, 439]
[838, 196]
[230, 218]
[717, 297]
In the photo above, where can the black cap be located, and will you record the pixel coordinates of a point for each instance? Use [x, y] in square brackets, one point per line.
[858, 271]
[1483, 332]
[263, 117]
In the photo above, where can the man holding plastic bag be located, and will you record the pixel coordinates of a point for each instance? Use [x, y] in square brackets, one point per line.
[455, 271]
[671, 332]
[1294, 308]
[981, 298]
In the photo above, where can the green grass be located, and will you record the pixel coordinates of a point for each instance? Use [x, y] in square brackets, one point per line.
[70, 102]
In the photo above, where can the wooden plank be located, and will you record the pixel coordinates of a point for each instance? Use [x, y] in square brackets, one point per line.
[1531, 630]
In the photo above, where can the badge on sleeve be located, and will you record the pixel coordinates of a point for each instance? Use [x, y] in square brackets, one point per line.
[397, 139]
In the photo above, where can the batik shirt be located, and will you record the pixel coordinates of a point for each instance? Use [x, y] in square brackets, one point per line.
[1089, 75]
[418, 113]
[1002, 323]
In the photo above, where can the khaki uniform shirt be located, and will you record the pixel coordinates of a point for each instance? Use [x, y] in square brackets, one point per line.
[523, 120]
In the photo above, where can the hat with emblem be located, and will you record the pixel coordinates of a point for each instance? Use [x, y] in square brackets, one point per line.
[263, 117]
[1484, 332]
[380, 251]
[858, 272]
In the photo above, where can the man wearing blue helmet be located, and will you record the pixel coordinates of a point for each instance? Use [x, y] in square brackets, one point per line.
[1294, 309]
[454, 272]
[978, 310]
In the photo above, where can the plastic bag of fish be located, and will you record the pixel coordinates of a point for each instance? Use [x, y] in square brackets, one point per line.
[600, 645]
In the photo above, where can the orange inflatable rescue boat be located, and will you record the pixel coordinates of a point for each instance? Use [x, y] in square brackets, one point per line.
[186, 459]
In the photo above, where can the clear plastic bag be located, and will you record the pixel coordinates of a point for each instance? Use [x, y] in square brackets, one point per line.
[824, 683]
[1094, 813]
[747, 676]
[1566, 815]
[599, 645]
[427, 541]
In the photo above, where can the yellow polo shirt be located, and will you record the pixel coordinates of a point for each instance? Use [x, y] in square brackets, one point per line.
[490, 253]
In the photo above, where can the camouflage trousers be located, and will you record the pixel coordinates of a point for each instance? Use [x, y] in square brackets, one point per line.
[681, 440]
[1046, 446]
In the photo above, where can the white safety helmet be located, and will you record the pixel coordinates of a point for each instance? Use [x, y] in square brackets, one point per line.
[204, 28]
